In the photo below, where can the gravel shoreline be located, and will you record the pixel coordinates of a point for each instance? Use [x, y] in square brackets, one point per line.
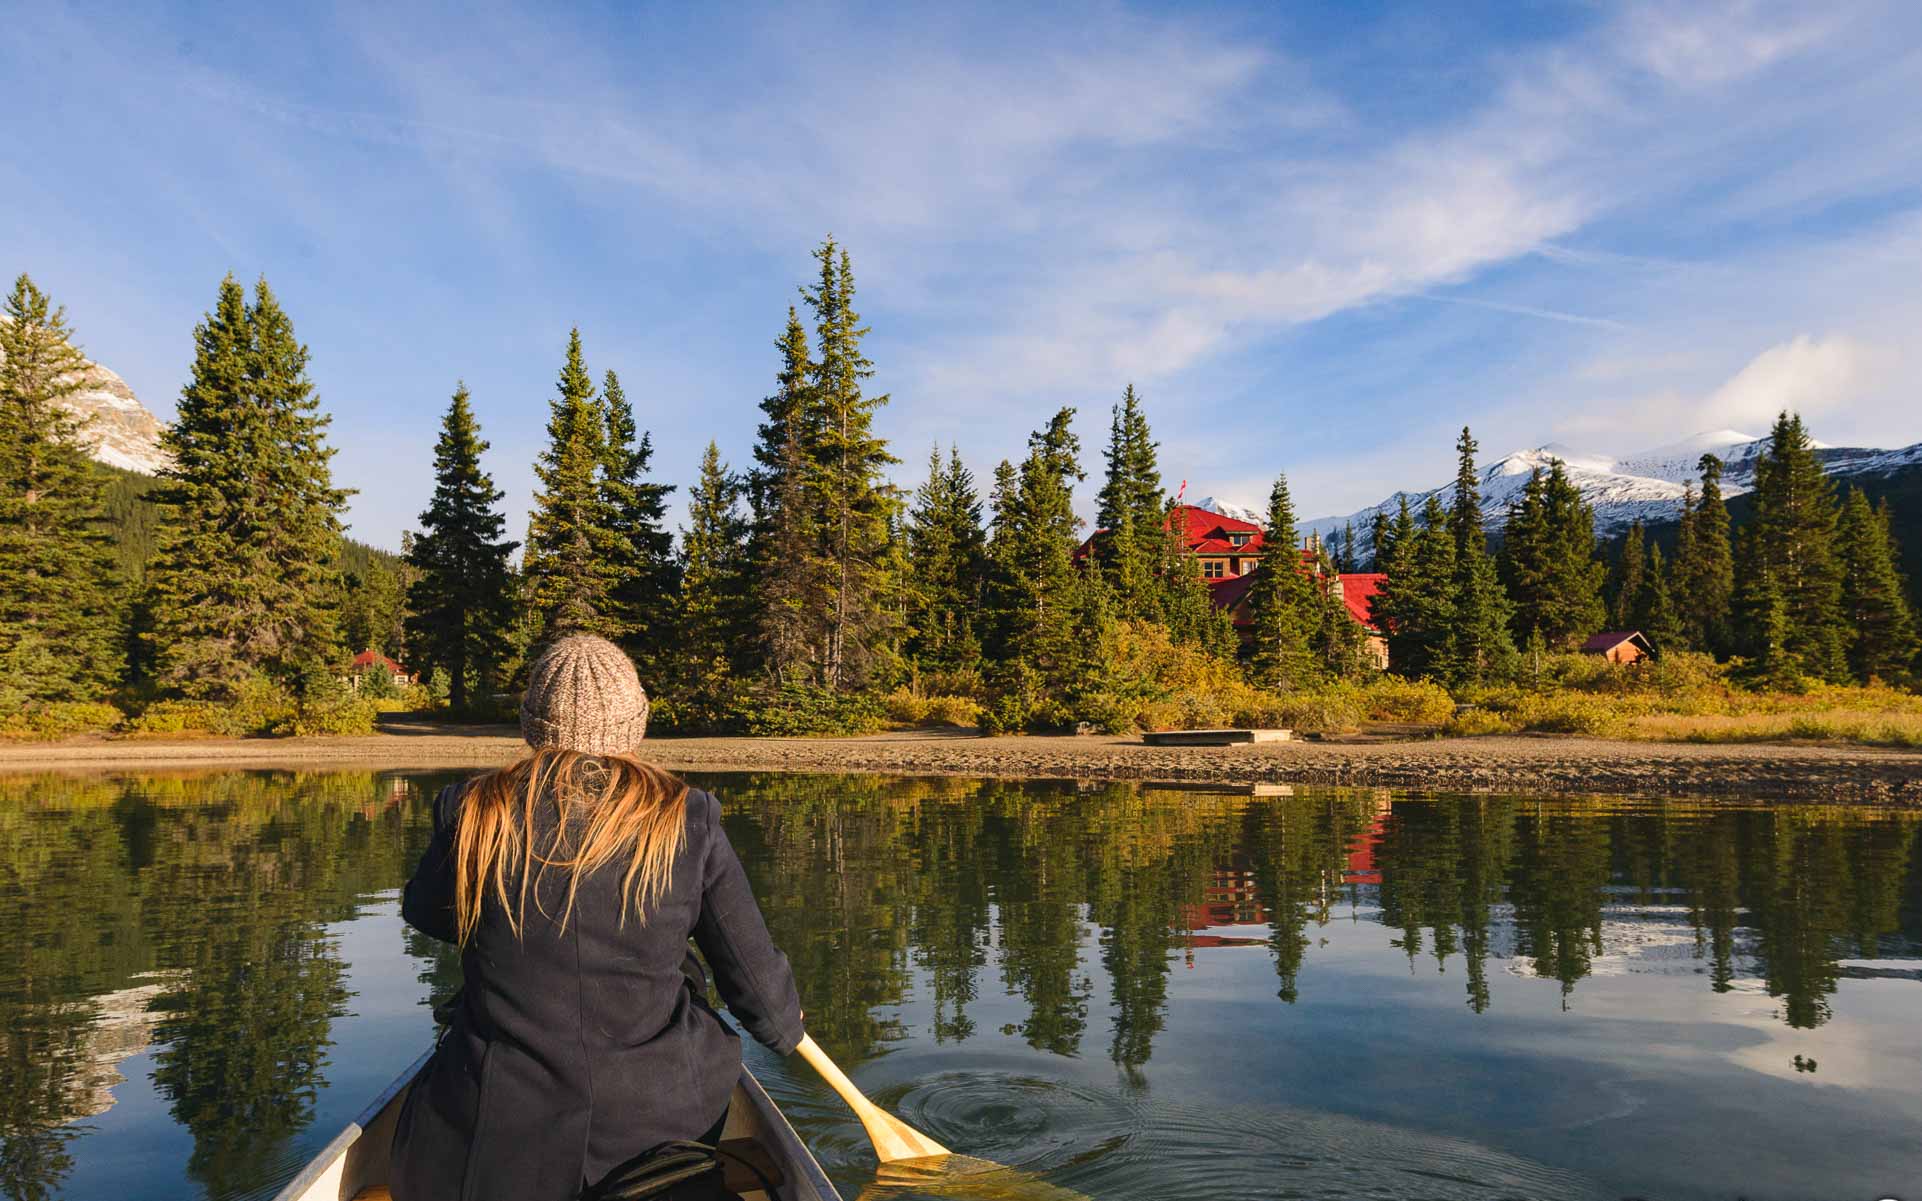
[1547, 764]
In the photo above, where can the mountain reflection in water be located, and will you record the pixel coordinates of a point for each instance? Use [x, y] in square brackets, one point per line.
[1135, 991]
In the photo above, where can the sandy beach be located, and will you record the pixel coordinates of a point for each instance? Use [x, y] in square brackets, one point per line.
[1506, 764]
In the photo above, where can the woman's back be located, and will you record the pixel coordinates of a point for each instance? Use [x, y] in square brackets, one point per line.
[582, 1036]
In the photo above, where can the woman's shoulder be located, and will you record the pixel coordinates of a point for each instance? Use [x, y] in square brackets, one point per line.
[447, 802]
[703, 807]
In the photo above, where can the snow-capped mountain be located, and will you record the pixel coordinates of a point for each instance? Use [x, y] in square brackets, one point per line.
[1646, 486]
[1215, 504]
[124, 432]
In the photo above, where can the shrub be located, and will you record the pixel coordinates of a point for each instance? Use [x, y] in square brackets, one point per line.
[1566, 713]
[797, 710]
[953, 711]
[181, 717]
[59, 719]
[338, 717]
[1472, 723]
[1392, 698]
[1330, 709]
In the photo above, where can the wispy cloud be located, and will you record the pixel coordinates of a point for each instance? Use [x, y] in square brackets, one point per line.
[1661, 214]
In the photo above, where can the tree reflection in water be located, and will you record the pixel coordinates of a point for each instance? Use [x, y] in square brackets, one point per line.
[193, 911]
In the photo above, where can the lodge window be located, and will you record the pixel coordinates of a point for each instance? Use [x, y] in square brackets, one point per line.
[1239, 539]
[1213, 569]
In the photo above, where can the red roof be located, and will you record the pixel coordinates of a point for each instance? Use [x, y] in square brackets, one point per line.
[367, 659]
[1601, 644]
[1210, 533]
[1230, 592]
[1358, 592]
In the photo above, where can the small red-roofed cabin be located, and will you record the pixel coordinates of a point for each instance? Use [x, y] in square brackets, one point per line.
[1620, 646]
[366, 661]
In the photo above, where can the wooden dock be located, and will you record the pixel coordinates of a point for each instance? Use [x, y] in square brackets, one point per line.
[1236, 737]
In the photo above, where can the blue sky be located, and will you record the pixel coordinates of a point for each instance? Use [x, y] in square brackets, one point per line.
[1318, 239]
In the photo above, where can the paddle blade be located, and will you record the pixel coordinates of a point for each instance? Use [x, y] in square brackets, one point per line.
[961, 1176]
[894, 1140]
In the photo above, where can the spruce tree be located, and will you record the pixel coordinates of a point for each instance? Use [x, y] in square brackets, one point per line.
[1524, 556]
[1882, 630]
[1479, 643]
[945, 545]
[848, 487]
[1034, 593]
[642, 549]
[1347, 564]
[1188, 608]
[785, 564]
[1653, 611]
[59, 624]
[371, 609]
[1129, 509]
[461, 603]
[1573, 606]
[1340, 643]
[1625, 580]
[1705, 566]
[713, 616]
[1794, 528]
[1284, 608]
[245, 579]
[1416, 606]
[572, 563]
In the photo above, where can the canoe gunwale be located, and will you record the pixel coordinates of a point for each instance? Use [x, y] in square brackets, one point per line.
[326, 1157]
[766, 1114]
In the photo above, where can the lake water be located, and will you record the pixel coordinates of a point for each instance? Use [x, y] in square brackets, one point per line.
[1137, 992]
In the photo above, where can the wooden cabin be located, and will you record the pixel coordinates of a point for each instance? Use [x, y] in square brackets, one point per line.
[1620, 646]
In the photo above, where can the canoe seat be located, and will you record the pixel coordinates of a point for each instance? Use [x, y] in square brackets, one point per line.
[737, 1177]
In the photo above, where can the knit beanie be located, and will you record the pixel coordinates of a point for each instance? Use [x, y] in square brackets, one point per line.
[583, 695]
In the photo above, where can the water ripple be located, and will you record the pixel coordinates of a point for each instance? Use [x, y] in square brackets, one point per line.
[1064, 1135]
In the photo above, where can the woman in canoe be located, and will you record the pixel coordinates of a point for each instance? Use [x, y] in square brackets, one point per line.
[572, 881]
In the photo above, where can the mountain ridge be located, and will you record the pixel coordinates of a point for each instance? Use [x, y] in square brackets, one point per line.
[125, 432]
[1645, 486]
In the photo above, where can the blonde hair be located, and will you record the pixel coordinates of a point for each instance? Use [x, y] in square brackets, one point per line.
[629, 807]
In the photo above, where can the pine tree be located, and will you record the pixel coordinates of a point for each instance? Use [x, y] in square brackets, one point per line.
[1794, 527]
[1347, 564]
[59, 629]
[848, 487]
[788, 573]
[1653, 612]
[572, 564]
[461, 605]
[713, 616]
[642, 597]
[245, 578]
[1480, 642]
[1625, 580]
[1283, 604]
[1883, 635]
[1705, 566]
[1548, 562]
[945, 545]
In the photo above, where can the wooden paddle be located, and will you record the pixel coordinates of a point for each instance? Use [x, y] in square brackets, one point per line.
[893, 1138]
[914, 1162]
